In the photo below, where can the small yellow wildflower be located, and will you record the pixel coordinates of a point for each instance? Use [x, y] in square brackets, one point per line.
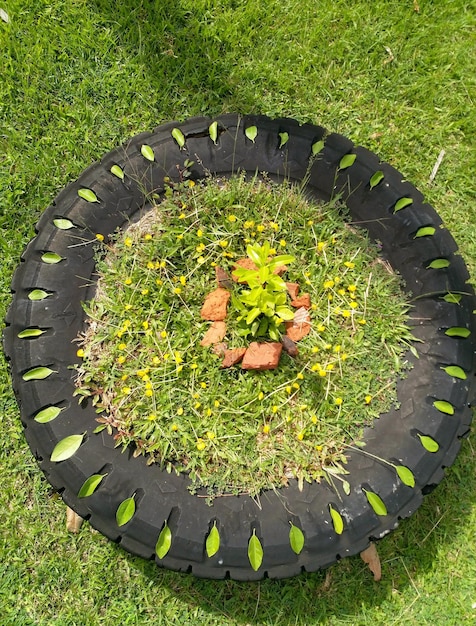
[128, 242]
[203, 385]
[159, 282]
[351, 288]
[274, 226]
[314, 419]
[163, 334]
[223, 243]
[260, 395]
[162, 264]
[80, 353]
[310, 222]
[147, 236]
[156, 360]
[122, 346]
[249, 224]
[339, 401]
[178, 357]
[260, 228]
[275, 408]
[174, 427]
[353, 305]
[126, 390]
[232, 218]
[149, 393]
[182, 216]
[152, 417]
[197, 405]
[180, 236]
[289, 389]
[180, 410]
[191, 183]
[328, 284]
[199, 232]
[127, 307]
[299, 375]
[145, 325]
[368, 399]
[341, 292]
[320, 328]
[282, 243]
[150, 265]
[362, 321]
[211, 435]
[99, 237]
[200, 247]
[128, 281]
[300, 436]
[193, 366]
[201, 260]
[346, 313]
[266, 429]
[177, 290]
[296, 385]
[216, 404]
[349, 264]
[121, 359]
[321, 245]
[315, 350]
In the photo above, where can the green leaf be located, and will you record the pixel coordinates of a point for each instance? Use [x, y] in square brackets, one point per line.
[38, 373]
[438, 264]
[213, 132]
[263, 274]
[346, 161]
[125, 511]
[263, 327]
[163, 542]
[254, 252]
[88, 195]
[376, 179]
[281, 259]
[65, 448]
[429, 444]
[212, 543]
[405, 475]
[251, 132]
[117, 171]
[252, 315]
[63, 224]
[38, 294]
[285, 313]
[284, 137]
[425, 231]
[30, 332]
[337, 520]
[90, 485]
[402, 203]
[444, 407]
[147, 152]
[273, 333]
[455, 371]
[255, 552]
[453, 298]
[51, 258]
[317, 146]
[179, 137]
[48, 414]
[346, 487]
[296, 539]
[376, 502]
[458, 331]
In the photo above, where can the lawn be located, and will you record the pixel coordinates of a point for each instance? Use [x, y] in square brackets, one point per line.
[79, 77]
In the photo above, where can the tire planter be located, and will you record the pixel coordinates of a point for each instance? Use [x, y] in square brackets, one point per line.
[169, 524]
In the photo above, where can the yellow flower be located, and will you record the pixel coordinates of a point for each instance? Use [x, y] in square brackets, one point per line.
[275, 408]
[201, 445]
[353, 305]
[180, 411]
[328, 284]
[149, 393]
[156, 360]
[80, 353]
[314, 419]
[163, 334]
[150, 265]
[339, 401]
[300, 436]
[128, 307]
[209, 412]
[282, 243]
[147, 236]
[274, 226]
[289, 389]
[145, 325]
[223, 243]
[363, 322]
[128, 242]
[174, 427]
[122, 346]
[210, 434]
[346, 313]
[121, 359]
[197, 405]
[310, 222]
[321, 245]
[266, 429]
[260, 228]
[162, 264]
[249, 224]
[199, 232]
[296, 385]
[181, 216]
[299, 375]
[203, 385]
[232, 218]
[351, 288]
[193, 366]
[178, 357]
[159, 282]
[321, 328]
[126, 390]
[368, 399]
[200, 247]
[152, 417]
[349, 264]
[260, 395]
[201, 260]
[177, 290]
[128, 281]
[99, 237]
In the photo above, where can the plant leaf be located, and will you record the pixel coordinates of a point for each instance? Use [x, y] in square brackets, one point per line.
[48, 414]
[458, 331]
[30, 332]
[402, 203]
[285, 313]
[444, 407]
[251, 132]
[255, 552]
[163, 542]
[90, 485]
[51, 258]
[453, 298]
[38, 373]
[213, 132]
[346, 487]
[429, 444]
[317, 147]
[252, 315]
[296, 539]
[125, 511]
[425, 231]
[405, 475]
[455, 371]
[376, 502]
[376, 179]
[65, 448]
[179, 137]
[147, 152]
[38, 294]
[88, 195]
[212, 543]
[337, 520]
[117, 171]
[63, 224]
[346, 161]
[439, 264]
[284, 137]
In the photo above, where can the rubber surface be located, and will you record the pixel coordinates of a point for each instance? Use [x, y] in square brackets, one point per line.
[441, 316]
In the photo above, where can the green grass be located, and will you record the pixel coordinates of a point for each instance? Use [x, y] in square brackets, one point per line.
[79, 77]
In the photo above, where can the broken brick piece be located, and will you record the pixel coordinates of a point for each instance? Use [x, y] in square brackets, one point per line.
[215, 305]
[293, 290]
[233, 356]
[214, 334]
[289, 346]
[304, 300]
[222, 278]
[300, 326]
[262, 356]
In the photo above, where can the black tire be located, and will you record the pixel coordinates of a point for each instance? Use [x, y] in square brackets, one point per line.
[443, 323]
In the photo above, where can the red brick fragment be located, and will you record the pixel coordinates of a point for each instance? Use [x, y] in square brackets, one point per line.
[233, 356]
[289, 346]
[222, 278]
[215, 305]
[262, 356]
[300, 326]
[304, 300]
[293, 290]
[214, 334]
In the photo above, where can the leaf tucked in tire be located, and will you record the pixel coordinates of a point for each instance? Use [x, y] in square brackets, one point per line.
[90, 485]
[255, 552]
[125, 511]
[376, 502]
[65, 448]
[337, 520]
[212, 543]
[163, 542]
[296, 539]
[405, 475]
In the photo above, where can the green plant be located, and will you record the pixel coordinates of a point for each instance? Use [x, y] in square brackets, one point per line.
[263, 308]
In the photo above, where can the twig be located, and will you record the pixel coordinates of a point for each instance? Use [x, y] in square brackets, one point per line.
[436, 167]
